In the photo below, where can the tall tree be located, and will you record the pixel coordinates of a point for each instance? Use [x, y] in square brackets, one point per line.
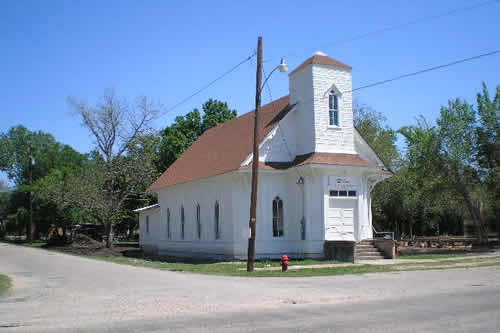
[370, 124]
[28, 156]
[488, 151]
[442, 157]
[119, 173]
[457, 134]
[185, 130]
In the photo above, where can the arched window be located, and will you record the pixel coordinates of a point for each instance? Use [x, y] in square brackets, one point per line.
[333, 103]
[182, 222]
[277, 217]
[217, 220]
[169, 235]
[198, 221]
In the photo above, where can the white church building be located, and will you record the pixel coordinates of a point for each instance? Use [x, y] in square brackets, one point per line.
[315, 178]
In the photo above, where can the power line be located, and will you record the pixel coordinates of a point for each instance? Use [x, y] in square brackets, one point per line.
[354, 38]
[280, 130]
[229, 71]
[401, 25]
[426, 70]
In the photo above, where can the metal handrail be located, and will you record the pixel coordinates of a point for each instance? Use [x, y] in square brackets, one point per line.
[384, 232]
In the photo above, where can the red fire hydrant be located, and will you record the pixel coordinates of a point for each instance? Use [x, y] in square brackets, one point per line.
[285, 262]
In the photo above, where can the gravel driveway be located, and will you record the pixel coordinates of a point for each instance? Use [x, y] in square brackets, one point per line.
[58, 292]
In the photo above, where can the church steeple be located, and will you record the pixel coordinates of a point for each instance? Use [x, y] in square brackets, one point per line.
[322, 89]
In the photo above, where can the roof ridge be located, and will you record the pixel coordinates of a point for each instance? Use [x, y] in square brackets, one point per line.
[246, 114]
[222, 148]
[320, 60]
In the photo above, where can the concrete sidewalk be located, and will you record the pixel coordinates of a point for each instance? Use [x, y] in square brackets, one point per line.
[493, 255]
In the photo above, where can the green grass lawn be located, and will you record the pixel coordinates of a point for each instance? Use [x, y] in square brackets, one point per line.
[435, 256]
[34, 244]
[239, 269]
[5, 284]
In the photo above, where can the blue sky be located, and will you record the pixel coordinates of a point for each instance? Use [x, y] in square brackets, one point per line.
[168, 49]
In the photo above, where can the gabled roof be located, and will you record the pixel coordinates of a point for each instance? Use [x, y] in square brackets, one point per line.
[339, 159]
[321, 60]
[223, 148]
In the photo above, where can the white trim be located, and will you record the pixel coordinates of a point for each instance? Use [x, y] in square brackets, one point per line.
[334, 127]
[138, 210]
[333, 87]
[317, 166]
[369, 147]
[268, 137]
[340, 100]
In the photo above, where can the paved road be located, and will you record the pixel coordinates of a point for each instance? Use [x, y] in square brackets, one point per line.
[54, 292]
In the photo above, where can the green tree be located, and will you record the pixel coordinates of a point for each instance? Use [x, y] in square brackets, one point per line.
[27, 157]
[488, 150]
[178, 137]
[389, 206]
[443, 159]
[458, 150]
[370, 124]
[119, 171]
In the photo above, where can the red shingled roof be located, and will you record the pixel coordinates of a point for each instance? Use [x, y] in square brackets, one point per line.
[321, 60]
[222, 148]
[319, 158]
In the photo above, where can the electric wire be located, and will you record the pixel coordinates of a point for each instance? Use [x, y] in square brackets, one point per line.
[426, 70]
[354, 38]
[395, 27]
[229, 71]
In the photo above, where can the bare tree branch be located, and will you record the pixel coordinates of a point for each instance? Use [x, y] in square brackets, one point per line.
[116, 127]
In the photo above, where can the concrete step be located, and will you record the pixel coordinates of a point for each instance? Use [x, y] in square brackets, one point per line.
[365, 246]
[369, 257]
[367, 253]
[366, 250]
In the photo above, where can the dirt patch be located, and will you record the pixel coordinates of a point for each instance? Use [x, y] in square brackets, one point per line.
[84, 245]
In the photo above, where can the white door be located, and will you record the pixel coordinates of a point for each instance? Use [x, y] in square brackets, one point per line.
[340, 221]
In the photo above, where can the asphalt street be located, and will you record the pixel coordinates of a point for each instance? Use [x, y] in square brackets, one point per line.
[54, 292]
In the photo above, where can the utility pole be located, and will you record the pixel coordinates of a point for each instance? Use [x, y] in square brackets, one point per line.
[30, 228]
[255, 162]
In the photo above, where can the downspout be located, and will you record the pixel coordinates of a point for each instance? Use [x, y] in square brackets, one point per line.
[301, 183]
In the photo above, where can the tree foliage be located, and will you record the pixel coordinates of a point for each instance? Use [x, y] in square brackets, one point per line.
[178, 137]
[28, 157]
[448, 172]
[455, 160]
[370, 124]
[122, 166]
[444, 172]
